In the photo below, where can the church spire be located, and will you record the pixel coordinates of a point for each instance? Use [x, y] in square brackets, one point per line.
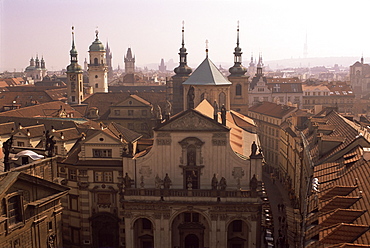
[183, 69]
[259, 66]
[237, 69]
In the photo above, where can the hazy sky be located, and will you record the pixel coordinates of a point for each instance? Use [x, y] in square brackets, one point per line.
[152, 28]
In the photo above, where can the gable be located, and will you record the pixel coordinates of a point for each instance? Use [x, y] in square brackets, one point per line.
[191, 120]
[133, 101]
[101, 138]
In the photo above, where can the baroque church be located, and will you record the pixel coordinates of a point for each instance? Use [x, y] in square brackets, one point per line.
[197, 184]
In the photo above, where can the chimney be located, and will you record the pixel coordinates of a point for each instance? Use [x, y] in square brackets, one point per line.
[366, 153]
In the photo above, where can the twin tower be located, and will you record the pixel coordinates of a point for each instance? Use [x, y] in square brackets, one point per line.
[97, 71]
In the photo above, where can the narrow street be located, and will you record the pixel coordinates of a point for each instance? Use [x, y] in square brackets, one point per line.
[282, 212]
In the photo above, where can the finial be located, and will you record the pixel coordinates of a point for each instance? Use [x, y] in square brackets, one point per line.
[183, 31]
[237, 30]
[96, 32]
[73, 37]
[207, 48]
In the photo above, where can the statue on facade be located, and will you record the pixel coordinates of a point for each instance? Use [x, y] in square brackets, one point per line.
[127, 181]
[223, 114]
[158, 182]
[214, 182]
[191, 97]
[254, 149]
[253, 183]
[223, 183]
[7, 146]
[167, 182]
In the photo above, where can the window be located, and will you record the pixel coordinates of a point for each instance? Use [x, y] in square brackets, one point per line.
[50, 225]
[237, 226]
[261, 89]
[14, 209]
[191, 217]
[96, 85]
[73, 202]
[238, 90]
[73, 98]
[102, 153]
[130, 113]
[130, 126]
[72, 174]
[144, 112]
[222, 98]
[19, 143]
[96, 76]
[116, 112]
[96, 61]
[147, 225]
[103, 176]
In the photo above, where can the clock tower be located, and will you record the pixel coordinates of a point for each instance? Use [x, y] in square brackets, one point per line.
[74, 77]
[98, 68]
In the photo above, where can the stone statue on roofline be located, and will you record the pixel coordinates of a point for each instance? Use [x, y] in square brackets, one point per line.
[167, 182]
[223, 184]
[214, 182]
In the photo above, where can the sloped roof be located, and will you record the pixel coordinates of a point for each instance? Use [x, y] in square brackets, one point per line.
[207, 74]
[272, 109]
[127, 134]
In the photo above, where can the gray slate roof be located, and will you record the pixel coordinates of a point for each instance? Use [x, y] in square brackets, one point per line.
[207, 74]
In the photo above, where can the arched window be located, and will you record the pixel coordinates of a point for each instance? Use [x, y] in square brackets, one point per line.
[96, 85]
[222, 99]
[96, 61]
[238, 90]
[191, 98]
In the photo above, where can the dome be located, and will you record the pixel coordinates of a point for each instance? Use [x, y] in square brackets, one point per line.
[97, 46]
[74, 68]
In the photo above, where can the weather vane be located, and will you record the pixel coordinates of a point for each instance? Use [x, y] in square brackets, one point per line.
[207, 48]
[96, 32]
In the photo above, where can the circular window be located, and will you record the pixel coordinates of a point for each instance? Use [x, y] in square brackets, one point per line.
[96, 76]
[130, 102]
[101, 139]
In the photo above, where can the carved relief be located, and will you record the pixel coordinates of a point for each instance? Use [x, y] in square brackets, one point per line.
[163, 142]
[214, 217]
[145, 171]
[219, 139]
[238, 173]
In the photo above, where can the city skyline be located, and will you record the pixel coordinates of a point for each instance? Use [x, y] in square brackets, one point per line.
[153, 30]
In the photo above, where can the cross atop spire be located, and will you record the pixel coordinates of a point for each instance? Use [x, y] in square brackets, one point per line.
[207, 48]
[237, 39]
[183, 33]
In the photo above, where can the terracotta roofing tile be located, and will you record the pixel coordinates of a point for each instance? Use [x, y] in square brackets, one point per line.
[338, 190]
[7, 128]
[338, 202]
[127, 134]
[347, 245]
[272, 109]
[340, 216]
[343, 233]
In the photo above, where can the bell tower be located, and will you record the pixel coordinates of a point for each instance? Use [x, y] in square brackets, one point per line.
[74, 77]
[240, 84]
[98, 69]
[182, 72]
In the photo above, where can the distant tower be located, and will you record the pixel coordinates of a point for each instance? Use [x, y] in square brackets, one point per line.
[98, 69]
[305, 48]
[74, 77]
[85, 65]
[109, 62]
[129, 62]
[162, 66]
[252, 67]
[36, 70]
[259, 66]
[182, 72]
[240, 84]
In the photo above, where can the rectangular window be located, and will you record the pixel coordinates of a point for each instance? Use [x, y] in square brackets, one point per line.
[117, 112]
[73, 98]
[103, 176]
[130, 112]
[72, 174]
[21, 144]
[73, 202]
[14, 210]
[102, 153]
[144, 112]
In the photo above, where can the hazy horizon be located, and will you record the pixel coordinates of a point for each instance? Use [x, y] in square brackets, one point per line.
[152, 29]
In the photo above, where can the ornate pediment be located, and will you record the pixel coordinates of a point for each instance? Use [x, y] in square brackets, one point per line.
[192, 121]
